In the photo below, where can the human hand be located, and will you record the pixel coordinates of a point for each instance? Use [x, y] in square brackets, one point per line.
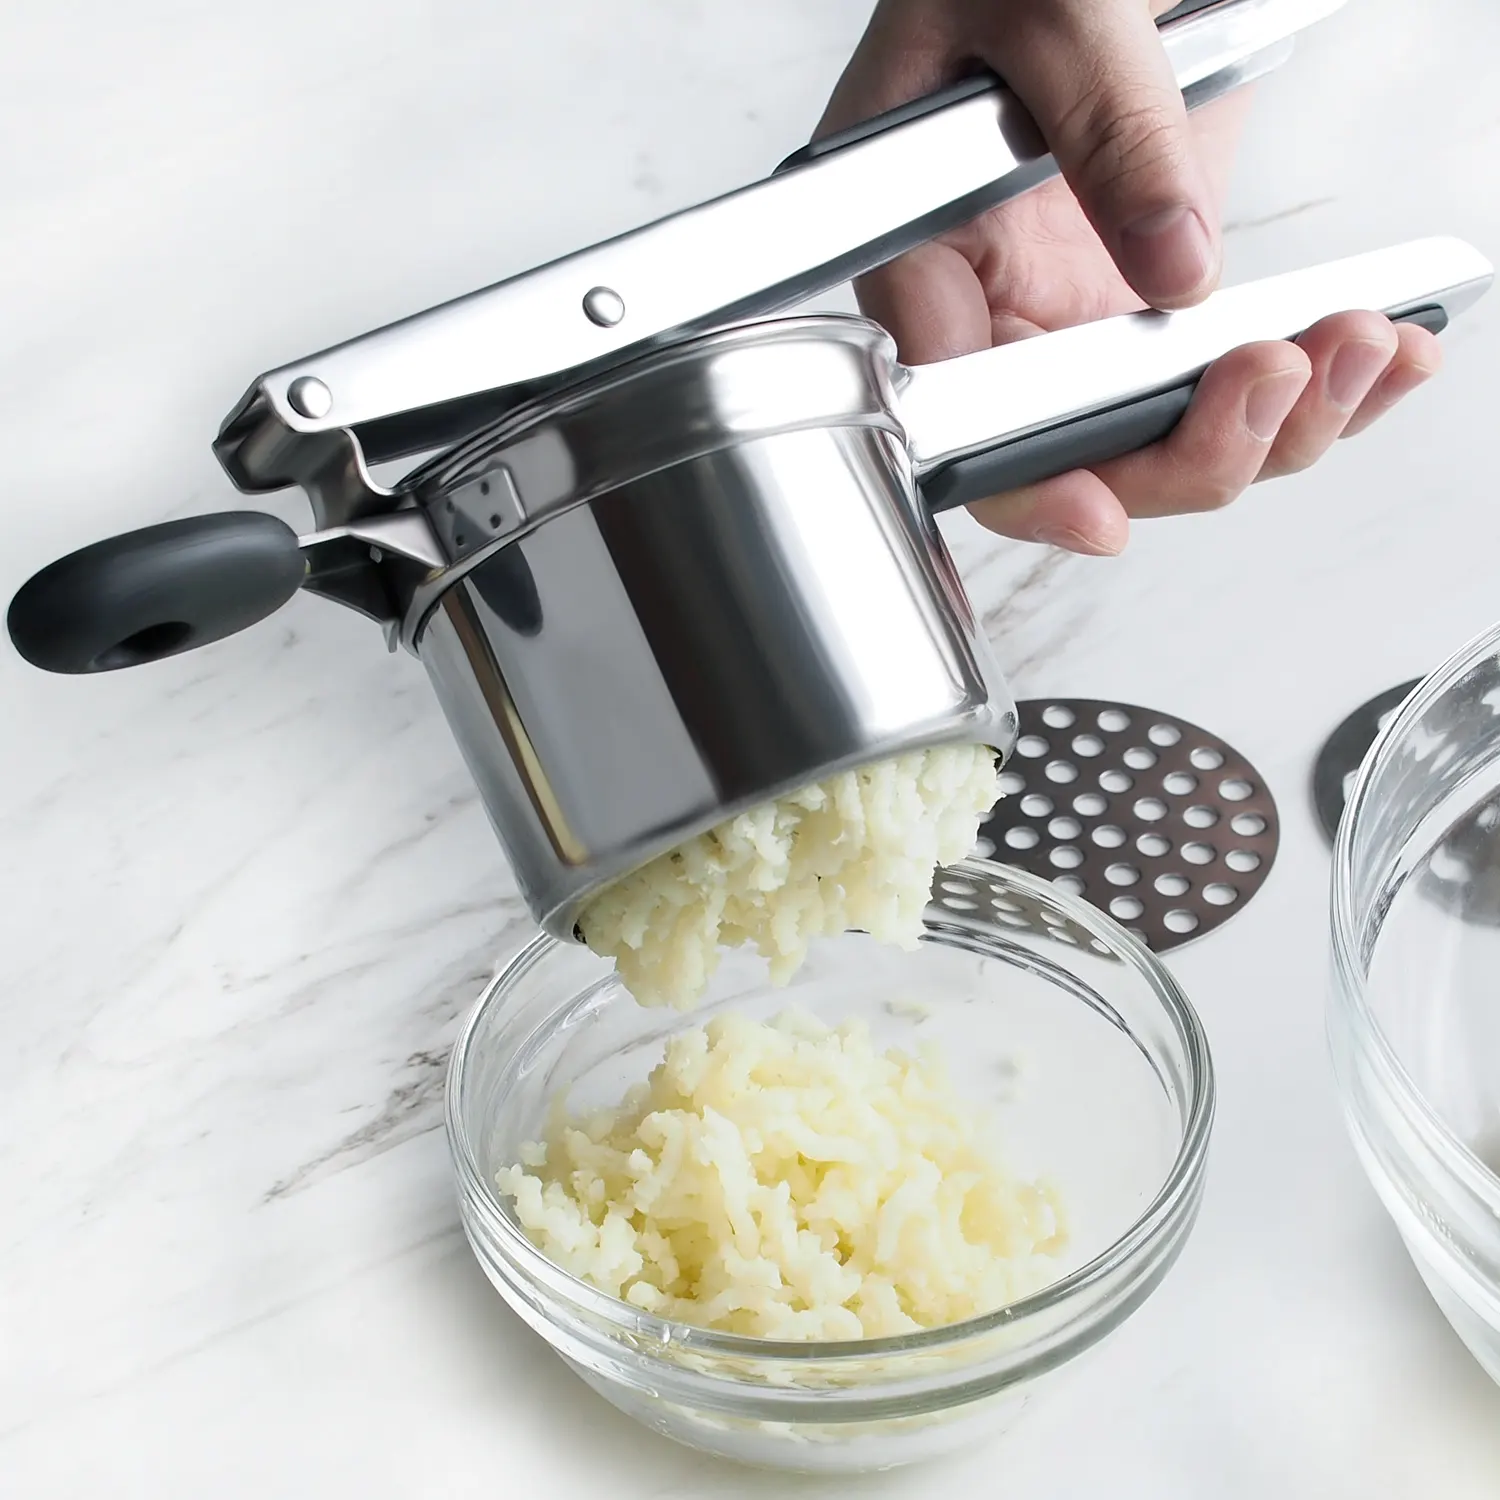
[1132, 222]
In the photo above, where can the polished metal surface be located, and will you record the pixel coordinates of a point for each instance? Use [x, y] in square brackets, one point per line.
[374, 567]
[694, 398]
[430, 379]
[1148, 817]
[962, 406]
[604, 306]
[683, 646]
[309, 397]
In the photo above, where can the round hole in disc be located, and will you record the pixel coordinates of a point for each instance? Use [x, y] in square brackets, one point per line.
[983, 848]
[1006, 903]
[1198, 854]
[1011, 919]
[1126, 908]
[1022, 838]
[1107, 836]
[955, 887]
[1153, 845]
[1150, 809]
[1122, 874]
[1065, 828]
[1219, 894]
[1163, 734]
[1248, 825]
[1139, 758]
[1235, 790]
[1113, 720]
[1242, 861]
[1064, 936]
[1180, 783]
[1087, 744]
[960, 903]
[1061, 770]
[1069, 883]
[1090, 804]
[1057, 717]
[1172, 885]
[1200, 817]
[1115, 781]
[1179, 921]
[1010, 783]
[1066, 857]
[1031, 746]
[1206, 758]
[1034, 805]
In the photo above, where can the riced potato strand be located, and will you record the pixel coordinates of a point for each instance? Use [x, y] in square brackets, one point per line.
[858, 850]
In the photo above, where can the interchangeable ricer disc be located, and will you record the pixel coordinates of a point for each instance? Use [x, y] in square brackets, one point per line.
[1144, 815]
[1345, 749]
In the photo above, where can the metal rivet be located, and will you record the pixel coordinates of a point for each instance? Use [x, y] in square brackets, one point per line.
[310, 397]
[604, 306]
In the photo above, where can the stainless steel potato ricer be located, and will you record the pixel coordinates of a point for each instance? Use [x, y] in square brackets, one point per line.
[676, 555]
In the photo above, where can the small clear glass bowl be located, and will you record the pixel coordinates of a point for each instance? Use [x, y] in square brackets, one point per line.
[1414, 1012]
[1050, 1016]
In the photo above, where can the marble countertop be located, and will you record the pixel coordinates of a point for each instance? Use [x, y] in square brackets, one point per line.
[250, 894]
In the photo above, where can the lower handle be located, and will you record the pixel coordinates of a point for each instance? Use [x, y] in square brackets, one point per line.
[1084, 441]
[986, 423]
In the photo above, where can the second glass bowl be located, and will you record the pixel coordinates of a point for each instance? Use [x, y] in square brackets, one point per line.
[1414, 1013]
[1050, 1016]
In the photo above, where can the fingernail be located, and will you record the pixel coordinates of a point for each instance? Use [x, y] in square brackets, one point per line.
[1066, 539]
[1168, 255]
[1269, 401]
[1353, 370]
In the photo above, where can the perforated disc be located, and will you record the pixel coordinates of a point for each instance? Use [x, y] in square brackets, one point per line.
[1462, 874]
[1345, 749]
[1148, 817]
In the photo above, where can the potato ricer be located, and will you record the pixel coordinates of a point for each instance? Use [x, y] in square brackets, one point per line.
[675, 554]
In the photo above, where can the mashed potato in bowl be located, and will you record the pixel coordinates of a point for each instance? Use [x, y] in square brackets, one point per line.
[787, 1180]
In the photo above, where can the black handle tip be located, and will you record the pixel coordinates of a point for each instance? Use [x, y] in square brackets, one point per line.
[155, 593]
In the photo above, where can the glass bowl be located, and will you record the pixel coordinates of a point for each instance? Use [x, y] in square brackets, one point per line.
[1049, 1014]
[1414, 1013]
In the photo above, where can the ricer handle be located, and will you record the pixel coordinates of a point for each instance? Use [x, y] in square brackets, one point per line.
[835, 210]
[985, 423]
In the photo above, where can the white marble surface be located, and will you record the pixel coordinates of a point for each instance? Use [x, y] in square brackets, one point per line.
[249, 893]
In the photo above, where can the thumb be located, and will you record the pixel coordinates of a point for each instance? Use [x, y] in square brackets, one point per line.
[1096, 79]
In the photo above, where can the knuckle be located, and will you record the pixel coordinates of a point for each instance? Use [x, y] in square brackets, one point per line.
[1209, 494]
[1291, 454]
[1124, 136]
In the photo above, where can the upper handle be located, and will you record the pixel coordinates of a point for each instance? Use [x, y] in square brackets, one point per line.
[839, 209]
[985, 423]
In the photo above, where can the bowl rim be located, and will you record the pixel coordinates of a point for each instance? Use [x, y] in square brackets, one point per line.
[1352, 989]
[1150, 1226]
